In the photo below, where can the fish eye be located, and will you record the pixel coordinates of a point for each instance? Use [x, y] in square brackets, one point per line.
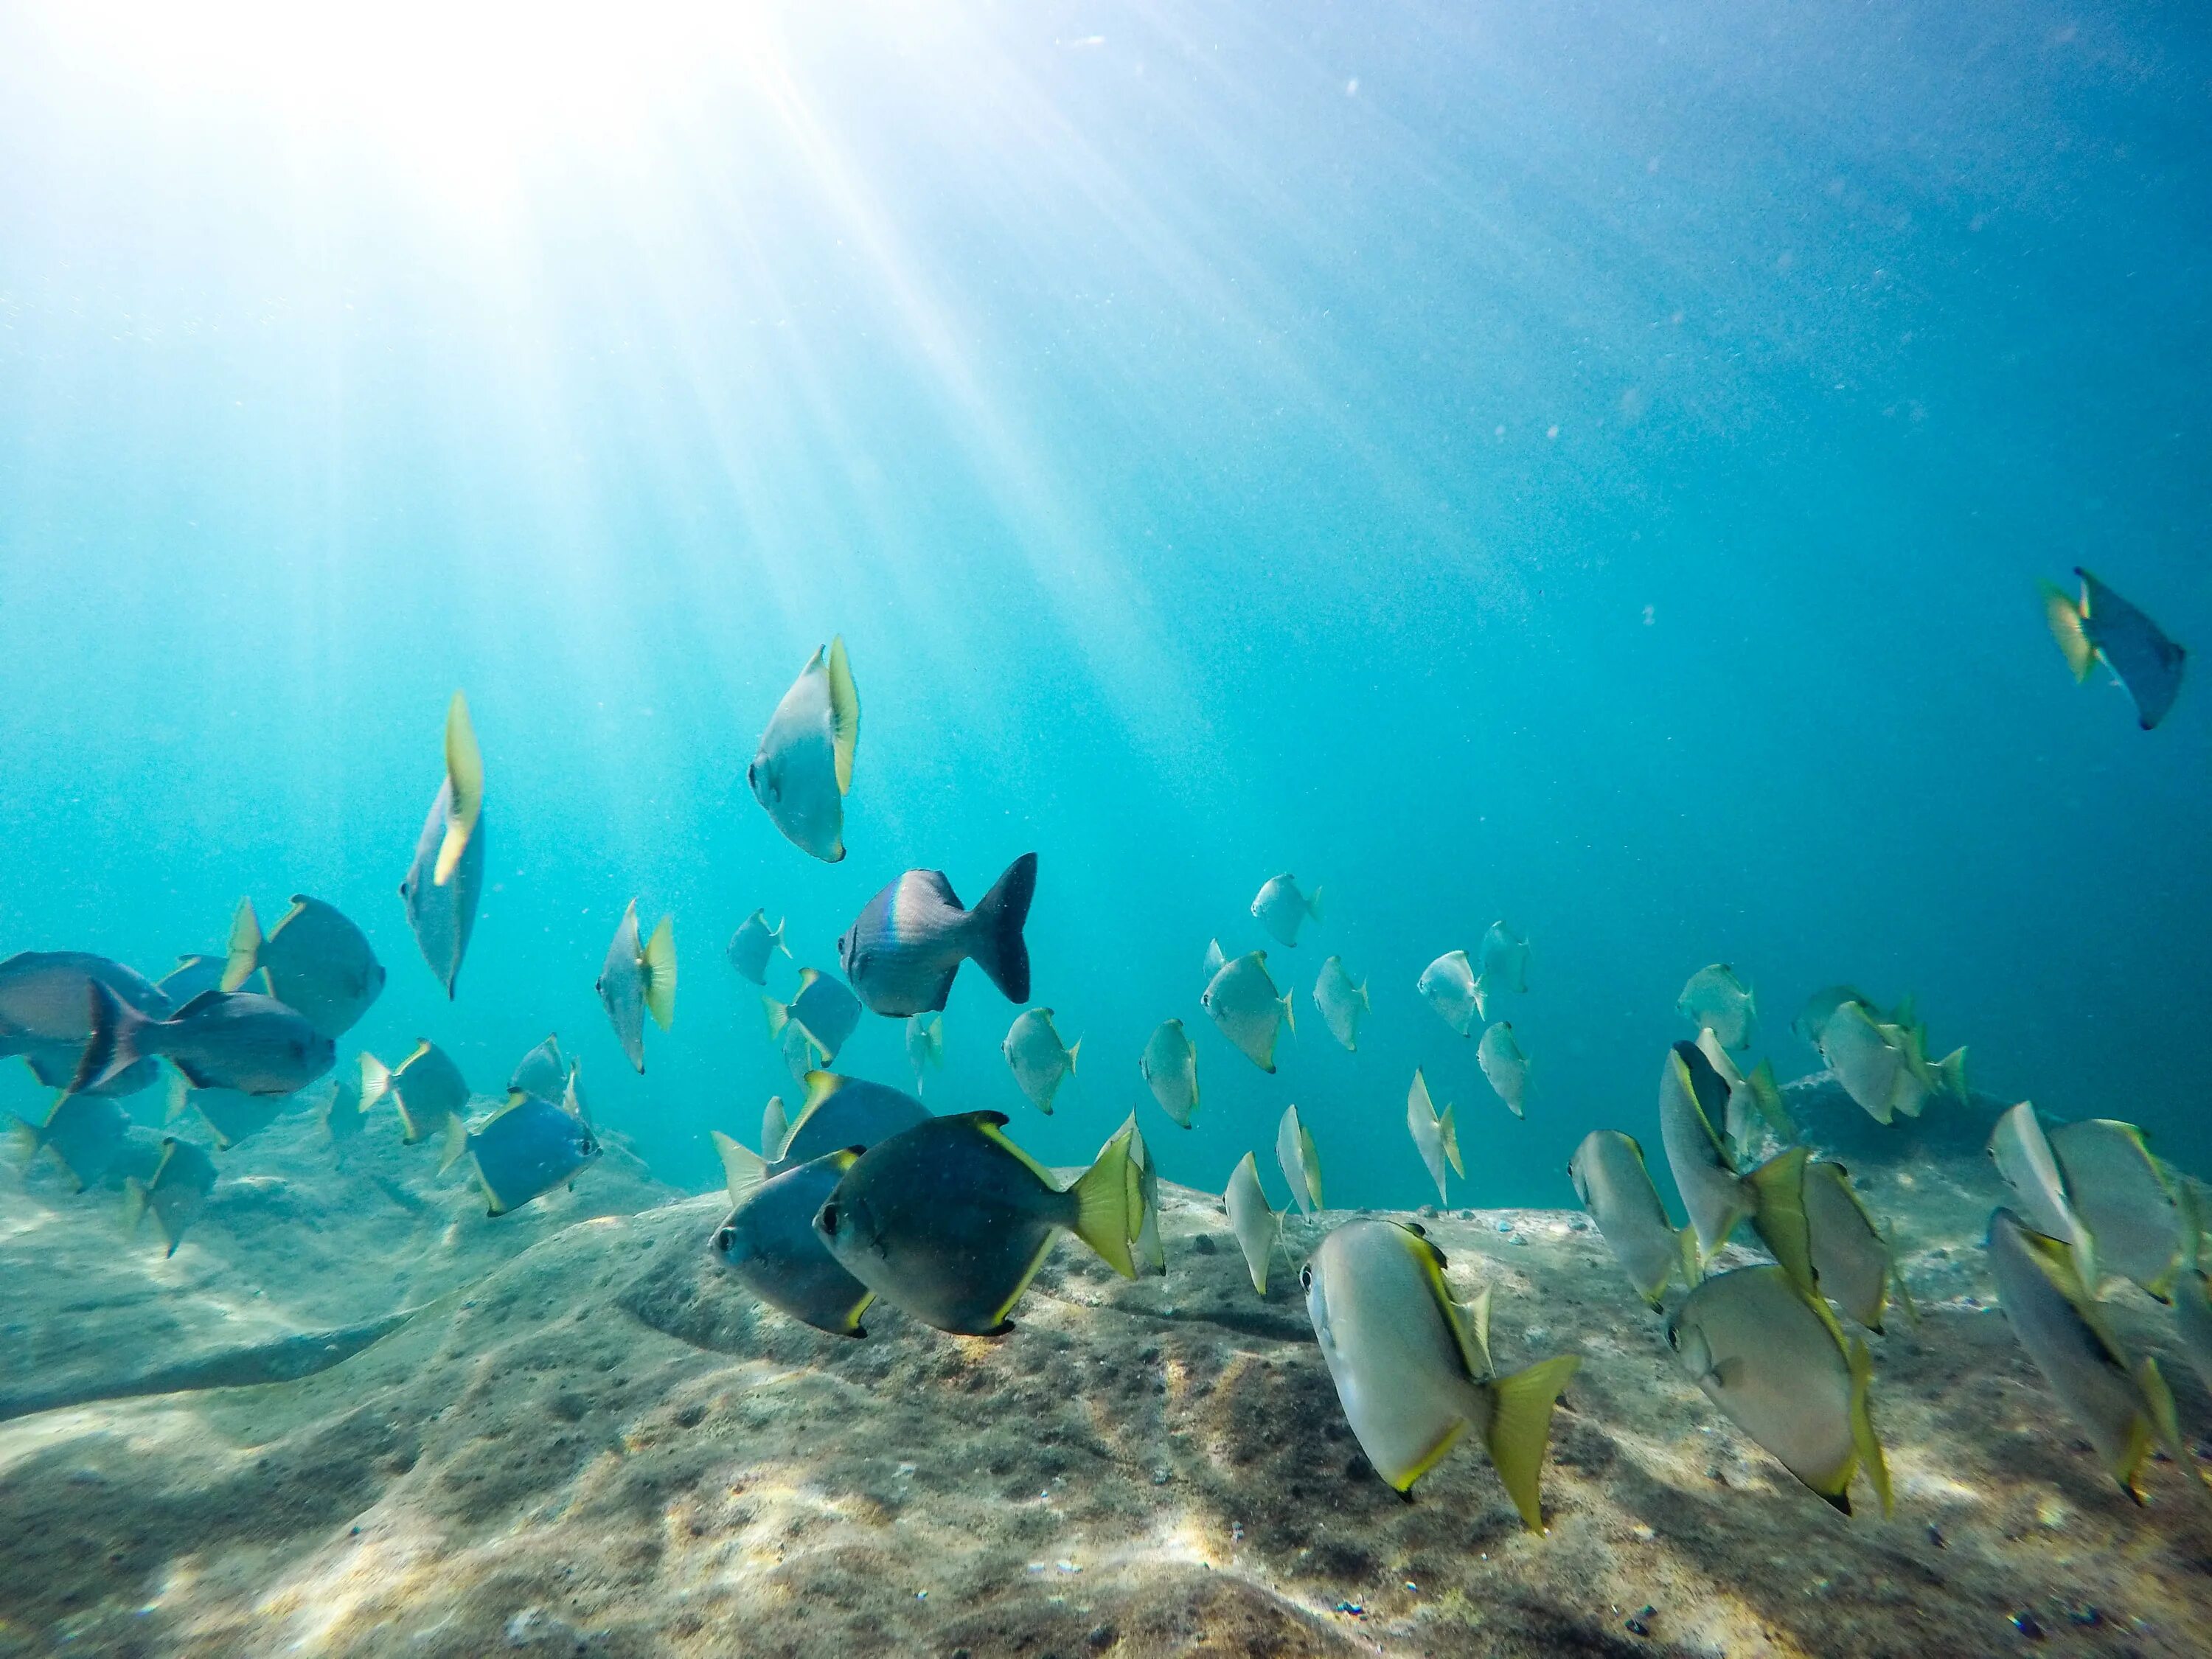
[726, 1239]
[1305, 1278]
[589, 1146]
[828, 1220]
[1673, 1339]
[752, 776]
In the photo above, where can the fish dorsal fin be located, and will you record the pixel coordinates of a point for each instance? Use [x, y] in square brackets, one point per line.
[660, 966]
[844, 712]
[991, 1126]
[464, 789]
[744, 1170]
[244, 949]
[422, 1046]
[202, 1003]
[1470, 1331]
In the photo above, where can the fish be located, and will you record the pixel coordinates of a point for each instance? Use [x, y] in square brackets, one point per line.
[1853, 1260]
[950, 1220]
[1774, 1359]
[925, 1045]
[804, 769]
[829, 1012]
[2134, 648]
[903, 950]
[1717, 1195]
[342, 1112]
[427, 1089]
[233, 1117]
[1505, 960]
[1037, 1058]
[1301, 1161]
[446, 877]
[1215, 959]
[544, 1072]
[841, 1111]
[219, 1040]
[1753, 1101]
[1244, 1005]
[2193, 1290]
[1882, 1065]
[46, 1013]
[638, 979]
[1452, 991]
[85, 1133]
[1715, 999]
[2027, 1165]
[1344, 1005]
[192, 975]
[173, 1194]
[1505, 1066]
[768, 1241]
[2121, 1405]
[317, 961]
[1615, 1186]
[1169, 1068]
[753, 944]
[1253, 1220]
[1146, 1249]
[525, 1149]
[1281, 908]
[1412, 1367]
[1436, 1137]
[802, 1053]
[775, 1126]
[2118, 1193]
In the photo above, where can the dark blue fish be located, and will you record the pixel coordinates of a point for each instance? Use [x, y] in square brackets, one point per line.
[85, 1133]
[822, 1009]
[317, 961]
[842, 1111]
[901, 953]
[173, 1193]
[46, 1013]
[527, 1149]
[769, 1243]
[219, 1040]
[2103, 624]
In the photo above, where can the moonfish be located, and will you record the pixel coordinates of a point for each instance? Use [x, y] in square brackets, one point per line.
[1717, 1000]
[1281, 908]
[233, 1117]
[1753, 1101]
[804, 769]
[1436, 1137]
[903, 950]
[1505, 1066]
[2027, 1165]
[1169, 1066]
[1504, 959]
[830, 1012]
[544, 1072]
[768, 1241]
[1615, 1186]
[776, 1127]
[1146, 1249]
[524, 1150]
[219, 1040]
[317, 961]
[1410, 1371]
[2117, 1192]
[1344, 1005]
[1301, 1161]
[2103, 624]
[426, 1090]
[1449, 984]
[46, 1013]
[1853, 1260]
[173, 1194]
[446, 877]
[85, 1133]
[1872, 1061]
[638, 979]
[1776, 1361]
[753, 944]
[841, 1111]
[925, 1045]
[2122, 1406]
[950, 1220]
[1819, 1008]
[1717, 1196]
[1243, 1002]
[1252, 1220]
[1037, 1058]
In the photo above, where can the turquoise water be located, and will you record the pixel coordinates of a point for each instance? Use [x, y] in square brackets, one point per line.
[1587, 466]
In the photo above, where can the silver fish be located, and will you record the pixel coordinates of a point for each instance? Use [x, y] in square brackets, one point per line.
[1252, 1220]
[1170, 1066]
[804, 769]
[1281, 908]
[925, 1045]
[1505, 1066]
[525, 1150]
[1243, 1002]
[1301, 1161]
[1037, 1058]
[1436, 1137]
[1344, 1005]
[827, 1011]
[1504, 959]
[173, 1194]
[753, 944]
[638, 979]
[1616, 1188]
[1717, 1000]
[1452, 989]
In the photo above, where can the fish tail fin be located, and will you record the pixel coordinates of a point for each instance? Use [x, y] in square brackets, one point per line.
[1312, 904]
[464, 789]
[376, 1081]
[779, 1014]
[844, 712]
[1364, 1001]
[457, 1142]
[179, 1100]
[743, 1169]
[996, 944]
[135, 1194]
[119, 1040]
[1520, 1430]
[1766, 1096]
[1869, 1445]
[1289, 1018]
[244, 947]
[1109, 1206]
[1072, 1049]
[776, 937]
[1778, 1193]
[2062, 613]
[25, 1137]
[1951, 1075]
[1448, 1126]
[660, 973]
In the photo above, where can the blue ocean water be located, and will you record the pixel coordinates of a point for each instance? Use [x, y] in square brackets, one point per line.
[1588, 465]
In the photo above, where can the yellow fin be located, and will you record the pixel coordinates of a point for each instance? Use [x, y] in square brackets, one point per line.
[1109, 1209]
[1520, 1428]
[1777, 1188]
[244, 947]
[660, 973]
[844, 712]
[743, 1169]
[375, 1080]
[2065, 618]
[1072, 1049]
[1448, 1130]
[1289, 1018]
[1478, 1319]
[1766, 1095]
[779, 1014]
[1869, 1445]
[457, 1142]
[465, 788]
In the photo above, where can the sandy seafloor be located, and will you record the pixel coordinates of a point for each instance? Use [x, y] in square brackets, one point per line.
[354, 1416]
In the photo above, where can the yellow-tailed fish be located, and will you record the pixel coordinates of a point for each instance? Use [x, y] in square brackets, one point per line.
[2118, 1191]
[1301, 1161]
[1169, 1066]
[525, 1149]
[173, 1193]
[1145, 1246]
[1254, 1221]
[1246, 1006]
[2027, 1165]
[1717, 1196]
[426, 1090]
[85, 1133]
[1436, 1137]
[317, 961]
[1616, 1188]
[543, 1072]
[1343, 1004]
[638, 979]
[1852, 1256]
[1450, 986]
[830, 1012]
[804, 767]
[1282, 908]
[753, 944]
[2103, 624]
[1505, 1066]
[446, 875]
[768, 1240]
[1754, 1100]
